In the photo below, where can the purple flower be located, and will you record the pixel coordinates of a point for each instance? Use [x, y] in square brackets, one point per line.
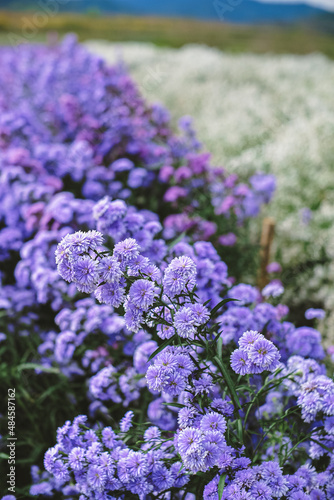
[211, 489]
[136, 464]
[162, 478]
[189, 440]
[213, 422]
[255, 355]
[273, 289]
[184, 364]
[165, 331]
[228, 240]
[174, 384]
[154, 378]
[111, 293]
[142, 294]
[260, 490]
[166, 360]
[264, 354]
[127, 250]
[245, 294]
[264, 184]
[315, 313]
[76, 458]
[141, 355]
[184, 322]
[109, 270]
[179, 275]
[174, 193]
[240, 362]
[126, 422]
[200, 313]
[96, 477]
[85, 274]
[108, 438]
[274, 267]
[121, 165]
[248, 339]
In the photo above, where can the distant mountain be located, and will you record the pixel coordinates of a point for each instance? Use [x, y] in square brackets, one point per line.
[247, 11]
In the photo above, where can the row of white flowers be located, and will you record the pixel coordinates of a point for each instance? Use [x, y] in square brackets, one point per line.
[259, 112]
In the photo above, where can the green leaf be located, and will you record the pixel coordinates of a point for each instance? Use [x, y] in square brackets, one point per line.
[229, 382]
[177, 240]
[221, 486]
[163, 345]
[36, 366]
[161, 321]
[219, 346]
[221, 304]
[4, 456]
[330, 450]
[177, 405]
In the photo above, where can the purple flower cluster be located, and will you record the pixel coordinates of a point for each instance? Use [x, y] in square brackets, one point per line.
[312, 388]
[170, 371]
[160, 340]
[266, 481]
[179, 276]
[120, 221]
[266, 318]
[255, 354]
[203, 447]
[103, 466]
[101, 139]
[188, 318]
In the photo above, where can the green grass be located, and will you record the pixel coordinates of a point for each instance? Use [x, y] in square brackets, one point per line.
[169, 32]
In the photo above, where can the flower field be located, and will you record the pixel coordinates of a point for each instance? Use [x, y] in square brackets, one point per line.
[260, 112]
[139, 360]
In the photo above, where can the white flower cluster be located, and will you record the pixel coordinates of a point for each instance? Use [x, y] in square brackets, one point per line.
[259, 112]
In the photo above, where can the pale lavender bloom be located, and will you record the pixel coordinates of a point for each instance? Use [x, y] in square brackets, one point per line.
[200, 313]
[154, 378]
[213, 422]
[96, 477]
[185, 365]
[121, 165]
[189, 440]
[110, 293]
[174, 384]
[274, 267]
[228, 240]
[240, 362]
[85, 274]
[133, 316]
[248, 339]
[109, 270]
[264, 354]
[126, 422]
[76, 459]
[142, 294]
[273, 289]
[315, 313]
[109, 438]
[162, 478]
[179, 275]
[184, 322]
[127, 250]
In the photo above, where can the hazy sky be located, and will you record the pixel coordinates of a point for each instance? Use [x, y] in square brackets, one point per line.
[324, 4]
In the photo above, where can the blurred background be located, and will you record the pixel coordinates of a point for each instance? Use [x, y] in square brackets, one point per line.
[235, 25]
